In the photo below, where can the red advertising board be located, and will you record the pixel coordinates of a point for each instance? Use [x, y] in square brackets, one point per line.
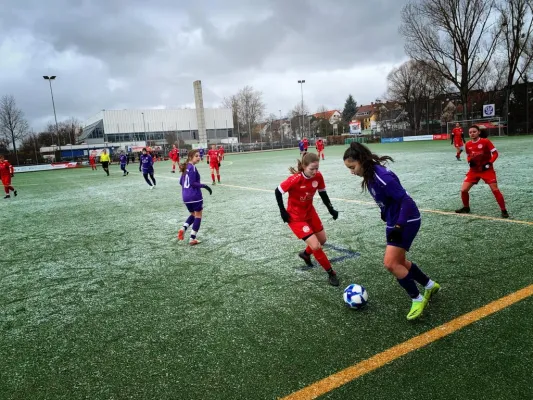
[441, 136]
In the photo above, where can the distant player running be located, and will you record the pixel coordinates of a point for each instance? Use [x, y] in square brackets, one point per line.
[6, 173]
[458, 140]
[481, 155]
[92, 162]
[213, 159]
[319, 145]
[221, 152]
[174, 156]
[192, 195]
[146, 166]
[301, 215]
[402, 217]
[301, 147]
[123, 163]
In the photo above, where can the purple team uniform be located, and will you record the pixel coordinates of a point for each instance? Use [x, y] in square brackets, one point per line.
[123, 161]
[146, 164]
[191, 189]
[301, 146]
[201, 152]
[397, 207]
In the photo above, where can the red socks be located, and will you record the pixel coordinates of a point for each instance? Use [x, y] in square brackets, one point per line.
[213, 177]
[499, 198]
[218, 178]
[465, 197]
[322, 258]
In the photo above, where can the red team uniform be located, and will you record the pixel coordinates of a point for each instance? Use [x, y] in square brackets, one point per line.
[174, 155]
[221, 153]
[92, 162]
[6, 173]
[482, 155]
[306, 144]
[320, 148]
[213, 159]
[458, 141]
[304, 219]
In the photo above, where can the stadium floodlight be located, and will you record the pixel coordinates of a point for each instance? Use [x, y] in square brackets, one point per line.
[301, 82]
[50, 79]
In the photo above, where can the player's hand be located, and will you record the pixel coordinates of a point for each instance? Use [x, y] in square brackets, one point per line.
[486, 166]
[208, 189]
[383, 217]
[12, 175]
[218, 165]
[207, 161]
[285, 216]
[395, 235]
[334, 213]
[472, 164]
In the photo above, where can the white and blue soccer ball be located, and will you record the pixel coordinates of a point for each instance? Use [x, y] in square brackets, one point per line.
[355, 296]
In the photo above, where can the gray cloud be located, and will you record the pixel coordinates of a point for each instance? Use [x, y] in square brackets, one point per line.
[131, 53]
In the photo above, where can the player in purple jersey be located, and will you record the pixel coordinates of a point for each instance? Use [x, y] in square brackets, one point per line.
[402, 217]
[202, 151]
[146, 165]
[123, 162]
[191, 191]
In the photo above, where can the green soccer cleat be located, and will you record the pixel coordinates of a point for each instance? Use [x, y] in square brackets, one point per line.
[417, 307]
[429, 293]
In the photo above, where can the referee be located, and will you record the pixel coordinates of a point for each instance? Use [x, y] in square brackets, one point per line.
[104, 159]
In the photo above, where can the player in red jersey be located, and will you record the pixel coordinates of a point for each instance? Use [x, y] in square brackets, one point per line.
[213, 159]
[92, 162]
[6, 173]
[320, 148]
[458, 140]
[301, 215]
[480, 154]
[221, 152]
[174, 155]
[306, 144]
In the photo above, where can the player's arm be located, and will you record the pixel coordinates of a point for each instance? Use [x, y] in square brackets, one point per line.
[327, 202]
[279, 198]
[452, 135]
[396, 191]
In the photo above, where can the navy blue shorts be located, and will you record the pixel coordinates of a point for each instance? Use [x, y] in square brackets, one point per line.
[408, 235]
[196, 206]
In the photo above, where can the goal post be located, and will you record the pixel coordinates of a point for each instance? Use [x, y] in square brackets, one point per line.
[493, 126]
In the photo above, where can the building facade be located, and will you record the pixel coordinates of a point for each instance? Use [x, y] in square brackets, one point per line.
[154, 125]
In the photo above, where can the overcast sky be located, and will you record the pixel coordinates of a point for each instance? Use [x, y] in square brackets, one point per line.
[116, 54]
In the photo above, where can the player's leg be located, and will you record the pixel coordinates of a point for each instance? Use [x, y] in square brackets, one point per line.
[152, 177]
[499, 198]
[217, 169]
[313, 244]
[394, 262]
[173, 166]
[145, 175]
[212, 173]
[465, 197]
[188, 222]
[6, 189]
[196, 225]
[316, 226]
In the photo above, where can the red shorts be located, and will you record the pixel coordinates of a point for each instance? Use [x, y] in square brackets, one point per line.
[6, 180]
[213, 166]
[488, 176]
[459, 146]
[307, 228]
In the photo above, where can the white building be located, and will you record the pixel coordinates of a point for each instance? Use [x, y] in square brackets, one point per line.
[112, 126]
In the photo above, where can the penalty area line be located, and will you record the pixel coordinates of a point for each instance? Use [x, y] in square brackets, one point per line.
[349, 374]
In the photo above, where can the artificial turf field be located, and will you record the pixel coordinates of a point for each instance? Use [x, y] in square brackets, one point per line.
[98, 300]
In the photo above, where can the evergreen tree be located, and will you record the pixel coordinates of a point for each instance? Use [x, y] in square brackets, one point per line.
[350, 107]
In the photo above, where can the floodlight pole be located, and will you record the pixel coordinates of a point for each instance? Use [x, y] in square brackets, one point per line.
[50, 79]
[301, 82]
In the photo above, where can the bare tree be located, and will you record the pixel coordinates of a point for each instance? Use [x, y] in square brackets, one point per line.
[454, 37]
[232, 103]
[517, 30]
[412, 84]
[13, 125]
[298, 121]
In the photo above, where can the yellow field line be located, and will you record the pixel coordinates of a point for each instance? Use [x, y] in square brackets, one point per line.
[379, 360]
[474, 216]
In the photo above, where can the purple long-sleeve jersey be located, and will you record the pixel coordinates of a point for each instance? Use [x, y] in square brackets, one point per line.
[123, 159]
[147, 163]
[190, 185]
[397, 207]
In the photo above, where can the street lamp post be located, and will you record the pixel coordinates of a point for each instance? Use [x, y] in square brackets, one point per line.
[280, 130]
[301, 82]
[50, 79]
[144, 127]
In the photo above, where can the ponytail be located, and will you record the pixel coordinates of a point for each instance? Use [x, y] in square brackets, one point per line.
[359, 152]
[190, 156]
[307, 159]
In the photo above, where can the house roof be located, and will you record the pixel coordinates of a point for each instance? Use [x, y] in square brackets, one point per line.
[326, 114]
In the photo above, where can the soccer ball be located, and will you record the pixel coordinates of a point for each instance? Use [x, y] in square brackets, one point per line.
[355, 296]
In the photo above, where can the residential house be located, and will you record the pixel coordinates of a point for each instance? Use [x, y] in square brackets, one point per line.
[333, 116]
[367, 115]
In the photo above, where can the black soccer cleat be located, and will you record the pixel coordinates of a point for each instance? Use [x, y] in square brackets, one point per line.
[306, 257]
[332, 278]
[7, 196]
[464, 210]
[505, 214]
[15, 193]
